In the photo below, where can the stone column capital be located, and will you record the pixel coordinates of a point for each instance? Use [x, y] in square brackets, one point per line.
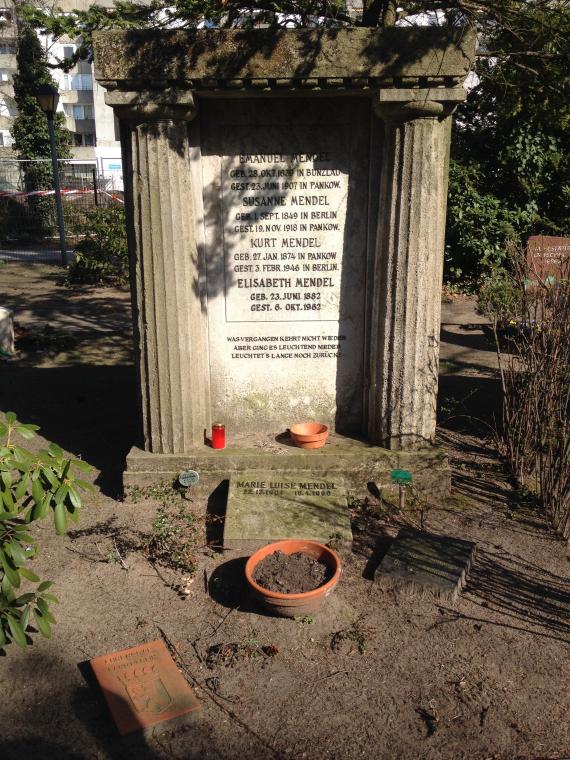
[398, 105]
[152, 106]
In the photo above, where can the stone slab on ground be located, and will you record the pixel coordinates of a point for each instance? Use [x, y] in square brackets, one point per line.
[143, 688]
[435, 563]
[359, 462]
[269, 506]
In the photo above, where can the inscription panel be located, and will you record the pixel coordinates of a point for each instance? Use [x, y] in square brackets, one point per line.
[283, 245]
[285, 215]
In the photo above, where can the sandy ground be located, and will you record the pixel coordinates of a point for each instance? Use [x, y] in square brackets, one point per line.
[378, 673]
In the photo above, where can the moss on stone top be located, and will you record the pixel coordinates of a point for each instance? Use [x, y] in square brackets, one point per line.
[159, 58]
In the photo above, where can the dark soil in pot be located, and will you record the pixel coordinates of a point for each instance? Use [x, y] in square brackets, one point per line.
[291, 573]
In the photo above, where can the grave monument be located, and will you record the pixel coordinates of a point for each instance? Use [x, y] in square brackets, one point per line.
[286, 194]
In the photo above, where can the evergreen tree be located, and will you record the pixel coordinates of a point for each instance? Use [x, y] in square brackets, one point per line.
[30, 128]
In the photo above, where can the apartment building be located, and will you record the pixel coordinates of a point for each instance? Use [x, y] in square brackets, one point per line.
[82, 101]
[8, 67]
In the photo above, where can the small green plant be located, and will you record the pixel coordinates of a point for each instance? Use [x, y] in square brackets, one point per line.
[33, 486]
[348, 638]
[101, 257]
[305, 620]
[173, 538]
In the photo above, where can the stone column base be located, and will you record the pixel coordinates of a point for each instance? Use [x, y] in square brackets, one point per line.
[357, 461]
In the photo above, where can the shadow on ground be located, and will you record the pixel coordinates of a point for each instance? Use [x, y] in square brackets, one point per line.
[88, 410]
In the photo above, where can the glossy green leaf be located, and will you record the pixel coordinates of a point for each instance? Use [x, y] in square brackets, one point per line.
[12, 574]
[26, 573]
[17, 632]
[6, 587]
[23, 487]
[2, 637]
[55, 450]
[10, 418]
[8, 501]
[51, 598]
[85, 485]
[43, 625]
[16, 552]
[3, 430]
[25, 619]
[60, 519]
[74, 497]
[44, 585]
[81, 465]
[42, 605]
[25, 433]
[38, 492]
[60, 494]
[6, 478]
[24, 599]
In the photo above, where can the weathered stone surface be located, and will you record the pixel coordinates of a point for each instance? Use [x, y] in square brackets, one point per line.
[6, 330]
[285, 280]
[435, 563]
[266, 506]
[358, 461]
[408, 272]
[168, 320]
[184, 196]
[212, 58]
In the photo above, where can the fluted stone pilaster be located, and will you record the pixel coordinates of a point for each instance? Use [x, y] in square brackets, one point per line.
[169, 327]
[408, 267]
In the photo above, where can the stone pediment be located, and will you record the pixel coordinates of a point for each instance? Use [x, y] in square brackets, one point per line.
[351, 59]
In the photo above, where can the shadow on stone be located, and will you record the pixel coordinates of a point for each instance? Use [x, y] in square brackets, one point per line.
[215, 515]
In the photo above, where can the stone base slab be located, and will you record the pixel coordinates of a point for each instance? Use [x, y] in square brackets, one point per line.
[357, 461]
[427, 562]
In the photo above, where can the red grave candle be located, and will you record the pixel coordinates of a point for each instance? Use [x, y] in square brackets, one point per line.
[218, 436]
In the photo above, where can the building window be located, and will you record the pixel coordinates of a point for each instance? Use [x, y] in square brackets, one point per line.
[4, 110]
[68, 51]
[4, 75]
[6, 49]
[77, 82]
[82, 112]
[87, 139]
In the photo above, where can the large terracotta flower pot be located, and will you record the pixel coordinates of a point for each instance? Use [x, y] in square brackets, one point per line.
[309, 435]
[294, 605]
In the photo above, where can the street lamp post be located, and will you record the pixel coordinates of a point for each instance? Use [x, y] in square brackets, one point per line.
[48, 97]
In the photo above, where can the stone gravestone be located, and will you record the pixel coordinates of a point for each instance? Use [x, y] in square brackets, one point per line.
[285, 195]
[268, 506]
[424, 561]
[548, 258]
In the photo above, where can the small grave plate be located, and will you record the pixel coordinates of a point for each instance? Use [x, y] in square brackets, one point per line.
[270, 506]
[437, 563]
[143, 687]
[188, 478]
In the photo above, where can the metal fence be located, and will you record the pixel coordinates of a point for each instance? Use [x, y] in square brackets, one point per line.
[28, 222]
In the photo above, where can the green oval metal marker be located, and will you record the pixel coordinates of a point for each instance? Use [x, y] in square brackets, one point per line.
[188, 478]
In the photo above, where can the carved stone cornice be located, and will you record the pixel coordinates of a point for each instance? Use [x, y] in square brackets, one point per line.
[261, 61]
[397, 105]
[152, 105]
